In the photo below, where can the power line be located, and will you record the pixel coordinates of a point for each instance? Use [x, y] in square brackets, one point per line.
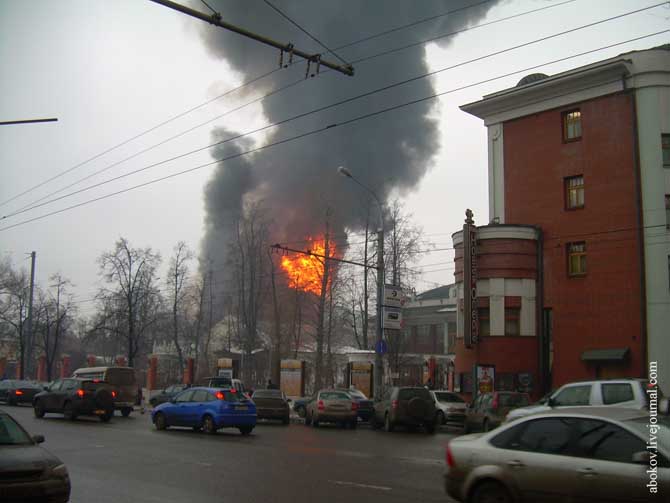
[248, 82]
[354, 98]
[300, 136]
[285, 16]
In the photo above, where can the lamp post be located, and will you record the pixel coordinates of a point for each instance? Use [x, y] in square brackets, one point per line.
[379, 362]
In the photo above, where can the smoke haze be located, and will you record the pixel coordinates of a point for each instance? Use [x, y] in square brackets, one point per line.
[298, 180]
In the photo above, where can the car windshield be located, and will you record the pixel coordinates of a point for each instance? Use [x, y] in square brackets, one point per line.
[23, 384]
[267, 393]
[449, 397]
[11, 433]
[513, 399]
[644, 427]
[333, 395]
[357, 394]
[409, 393]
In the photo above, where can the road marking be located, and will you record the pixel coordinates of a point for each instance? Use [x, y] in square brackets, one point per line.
[205, 464]
[364, 486]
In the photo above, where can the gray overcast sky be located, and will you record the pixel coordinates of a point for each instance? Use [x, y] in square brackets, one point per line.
[110, 70]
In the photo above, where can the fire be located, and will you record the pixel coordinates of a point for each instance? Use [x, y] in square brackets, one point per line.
[305, 272]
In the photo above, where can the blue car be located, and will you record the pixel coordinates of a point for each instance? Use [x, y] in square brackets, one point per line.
[207, 409]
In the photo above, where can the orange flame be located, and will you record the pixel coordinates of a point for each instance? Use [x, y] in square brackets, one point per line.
[305, 272]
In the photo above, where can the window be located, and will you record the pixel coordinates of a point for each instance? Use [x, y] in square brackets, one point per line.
[574, 192]
[577, 259]
[573, 396]
[548, 436]
[572, 125]
[199, 395]
[665, 145]
[606, 442]
[617, 393]
[512, 315]
[484, 315]
[184, 396]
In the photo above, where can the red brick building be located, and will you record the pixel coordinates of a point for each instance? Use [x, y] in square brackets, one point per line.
[573, 270]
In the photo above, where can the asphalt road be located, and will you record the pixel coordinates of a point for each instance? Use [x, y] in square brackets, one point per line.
[127, 460]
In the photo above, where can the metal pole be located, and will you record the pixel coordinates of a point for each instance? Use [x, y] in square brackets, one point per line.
[26, 121]
[29, 339]
[215, 19]
[379, 361]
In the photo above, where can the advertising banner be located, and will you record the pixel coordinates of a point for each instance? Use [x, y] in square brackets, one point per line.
[485, 378]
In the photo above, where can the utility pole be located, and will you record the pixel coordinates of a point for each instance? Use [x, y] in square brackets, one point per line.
[379, 359]
[216, 20]
[28, 337]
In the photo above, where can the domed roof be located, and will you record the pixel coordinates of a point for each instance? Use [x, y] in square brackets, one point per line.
[533, 77]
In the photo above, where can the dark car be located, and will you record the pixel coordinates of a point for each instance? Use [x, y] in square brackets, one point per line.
[76, 397]
[410, 407]
[300, 406]
[365, 405]
[489, 410]
[167, 394]
[14, 392]
[207, 409]
[29, 472]
[272, 404]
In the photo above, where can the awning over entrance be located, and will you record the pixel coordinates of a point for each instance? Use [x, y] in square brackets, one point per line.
[605, 355]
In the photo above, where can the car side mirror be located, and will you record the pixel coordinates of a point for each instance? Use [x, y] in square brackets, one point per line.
[551, 402]
[289, 400]
[641, 458]
[38, 439]
[664, 406]
[46, 388]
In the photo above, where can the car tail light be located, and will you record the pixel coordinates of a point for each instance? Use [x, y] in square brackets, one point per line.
[18, 392]
[451, 462]
[494, 403]
[321, 405]
[220, 396]
[80, 393]
[354, 406]
[394, 404]
[113, 394]
[233, 390]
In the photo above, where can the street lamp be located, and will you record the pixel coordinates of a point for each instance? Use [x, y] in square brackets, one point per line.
[379, 362]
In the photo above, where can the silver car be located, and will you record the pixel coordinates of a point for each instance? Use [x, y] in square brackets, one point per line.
[451, 408]
[581, 454]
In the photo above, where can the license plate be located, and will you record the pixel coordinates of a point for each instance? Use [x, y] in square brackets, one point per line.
[99, 412]
[241, 407]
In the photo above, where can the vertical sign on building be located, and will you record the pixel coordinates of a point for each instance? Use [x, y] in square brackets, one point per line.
[470, 321]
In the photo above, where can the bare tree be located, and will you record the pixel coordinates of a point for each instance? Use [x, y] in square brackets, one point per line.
[54, 316]
[402, 240]
[14, 293]
[132, 302]
[178, 272]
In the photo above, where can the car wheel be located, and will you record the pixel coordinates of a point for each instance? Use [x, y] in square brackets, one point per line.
[246, 430]
[38, 409]
[107, 416]
[430, 427]
[466, 428]
[69, 412]
[208, 425]
[440, 418]
[160, 422]
[486, 426]
[286, 420]
[11, 401]
[315, 423]
[490, 492]
[125, 412]
[308, 420]
[388, 425]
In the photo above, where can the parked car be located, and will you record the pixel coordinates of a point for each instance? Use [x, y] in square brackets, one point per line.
[489, 410]
[75, 397]
[224, 383]
[14, 391]
[365, 406]
[121, 378]
[628, 393]
[594, 454]
[272, 404]
[450, 408]
[332, 406]
[300, 406]
[207, 409]
[410, 407]
[167, 394]
[27, 471]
